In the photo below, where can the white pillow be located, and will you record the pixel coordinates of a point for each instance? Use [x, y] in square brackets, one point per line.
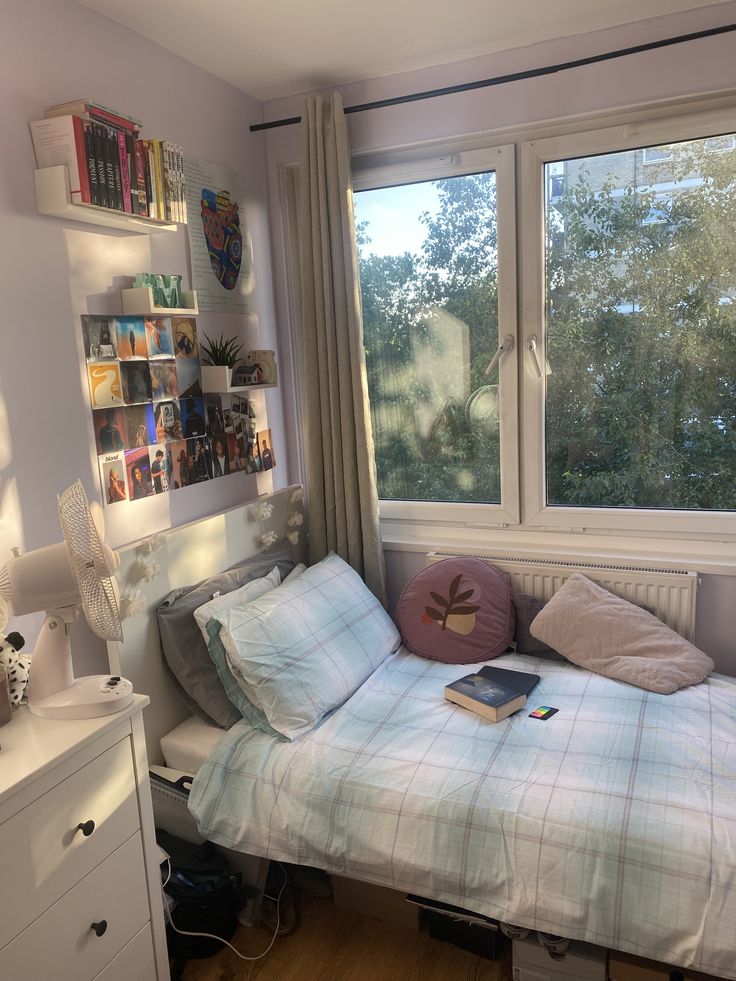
[238, 597]
[303, 649]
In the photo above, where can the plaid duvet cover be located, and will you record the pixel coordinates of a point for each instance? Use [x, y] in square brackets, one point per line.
[613, 822]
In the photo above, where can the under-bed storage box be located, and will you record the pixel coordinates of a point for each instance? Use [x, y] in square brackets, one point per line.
[580, 962]
[627, 967]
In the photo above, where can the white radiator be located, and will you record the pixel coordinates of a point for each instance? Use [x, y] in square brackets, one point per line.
[668, 594]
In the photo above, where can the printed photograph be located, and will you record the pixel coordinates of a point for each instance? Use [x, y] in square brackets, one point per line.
[100, 340]
[136, 379]
[263, 439]
[138, 474]
[131, 335]
[109, 430]
[215, 417]
[236, 452]
[105, 387]
[220, 459]
[180, 464]
[159, 337]
[168, 422]
[140, 426]
[189, 376]
[159, 460]
[240, 412]
[164, 384]
[198, 456]
[227, 411]
[192, 417]
[184, 330]
[112, 477]
[252, 457]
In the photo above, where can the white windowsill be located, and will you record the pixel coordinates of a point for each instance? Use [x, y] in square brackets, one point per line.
[709, 557]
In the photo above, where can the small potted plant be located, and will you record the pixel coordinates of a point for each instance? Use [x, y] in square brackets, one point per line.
[220, 357]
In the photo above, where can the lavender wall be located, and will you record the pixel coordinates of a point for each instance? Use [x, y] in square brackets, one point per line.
[52, 270]
[697, 68]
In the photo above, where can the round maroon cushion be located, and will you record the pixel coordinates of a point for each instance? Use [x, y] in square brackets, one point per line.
[458, 610]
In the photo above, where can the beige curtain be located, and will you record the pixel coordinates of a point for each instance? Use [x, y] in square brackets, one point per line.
[340, 467]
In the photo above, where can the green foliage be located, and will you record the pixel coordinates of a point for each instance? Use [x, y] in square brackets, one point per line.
[221, 351]
[423, 315]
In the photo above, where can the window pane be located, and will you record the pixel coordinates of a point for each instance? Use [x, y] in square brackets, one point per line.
[641, 328]
[429, 280]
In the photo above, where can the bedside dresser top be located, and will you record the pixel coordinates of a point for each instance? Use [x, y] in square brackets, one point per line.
[31, 746]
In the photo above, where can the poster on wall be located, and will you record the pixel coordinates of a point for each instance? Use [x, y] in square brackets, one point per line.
[154, 430]
[218, 239]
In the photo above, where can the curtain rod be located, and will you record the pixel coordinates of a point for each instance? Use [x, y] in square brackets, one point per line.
[513, 77]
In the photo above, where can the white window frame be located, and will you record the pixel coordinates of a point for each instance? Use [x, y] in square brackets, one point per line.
[500, 159]
[536, 514]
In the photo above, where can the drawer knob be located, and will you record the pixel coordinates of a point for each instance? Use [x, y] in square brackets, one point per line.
[99, 927]
[87, 828]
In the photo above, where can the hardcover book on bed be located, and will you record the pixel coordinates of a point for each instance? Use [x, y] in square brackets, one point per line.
[522, 681]
[485, 696]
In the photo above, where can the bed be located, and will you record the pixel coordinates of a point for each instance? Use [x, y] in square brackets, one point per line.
[614, 822]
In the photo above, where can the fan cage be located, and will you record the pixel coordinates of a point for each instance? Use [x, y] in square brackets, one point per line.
[88, 565]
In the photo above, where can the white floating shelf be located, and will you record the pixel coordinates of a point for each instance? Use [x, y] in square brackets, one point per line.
[139, 300]
[53, 197]
[216, 381]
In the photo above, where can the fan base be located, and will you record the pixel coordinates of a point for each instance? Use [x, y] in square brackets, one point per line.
[88, 698]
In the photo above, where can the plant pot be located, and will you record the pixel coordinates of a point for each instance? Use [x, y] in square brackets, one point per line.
[216, 378]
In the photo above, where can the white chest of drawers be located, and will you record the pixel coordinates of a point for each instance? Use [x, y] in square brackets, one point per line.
[80, 894]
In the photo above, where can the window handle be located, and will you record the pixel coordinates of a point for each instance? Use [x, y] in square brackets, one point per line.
[508, 345]
[534, 351]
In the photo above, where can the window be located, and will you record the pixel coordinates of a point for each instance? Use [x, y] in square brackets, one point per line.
[635, 419]
[437, 285]
[614, 407]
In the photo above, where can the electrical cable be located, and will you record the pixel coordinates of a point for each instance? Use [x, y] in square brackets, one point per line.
[212, 936]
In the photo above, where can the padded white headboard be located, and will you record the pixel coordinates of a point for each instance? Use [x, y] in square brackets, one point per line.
[181, 557]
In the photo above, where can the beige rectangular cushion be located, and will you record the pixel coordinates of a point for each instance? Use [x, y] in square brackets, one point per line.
[610, 636]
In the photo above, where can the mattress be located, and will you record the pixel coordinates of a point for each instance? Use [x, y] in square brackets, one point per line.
[613, 822]
[188, 746]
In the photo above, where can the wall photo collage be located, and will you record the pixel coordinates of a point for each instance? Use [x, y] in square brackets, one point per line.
[154, 430]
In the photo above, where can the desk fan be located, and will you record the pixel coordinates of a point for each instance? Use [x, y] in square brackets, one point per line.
[59, 579]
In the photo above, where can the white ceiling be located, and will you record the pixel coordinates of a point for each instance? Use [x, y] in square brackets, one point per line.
[276, 48]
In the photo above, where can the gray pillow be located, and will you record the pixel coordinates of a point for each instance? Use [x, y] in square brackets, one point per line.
[185, 653]
[527, 607]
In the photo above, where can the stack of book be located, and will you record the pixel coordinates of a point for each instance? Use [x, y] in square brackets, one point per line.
[109, 165]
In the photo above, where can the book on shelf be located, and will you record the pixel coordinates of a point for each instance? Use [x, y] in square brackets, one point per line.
[487, 697]
[94, 110]
[99, 147]
[62, 141]
[141, 187]
[108, 165]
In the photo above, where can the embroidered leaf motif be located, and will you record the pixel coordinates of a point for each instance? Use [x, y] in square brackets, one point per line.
[463, 596]
[435, 614]
[453, 604]
[454, 585]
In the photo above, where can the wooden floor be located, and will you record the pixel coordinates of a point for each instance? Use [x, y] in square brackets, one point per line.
[333, 944]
